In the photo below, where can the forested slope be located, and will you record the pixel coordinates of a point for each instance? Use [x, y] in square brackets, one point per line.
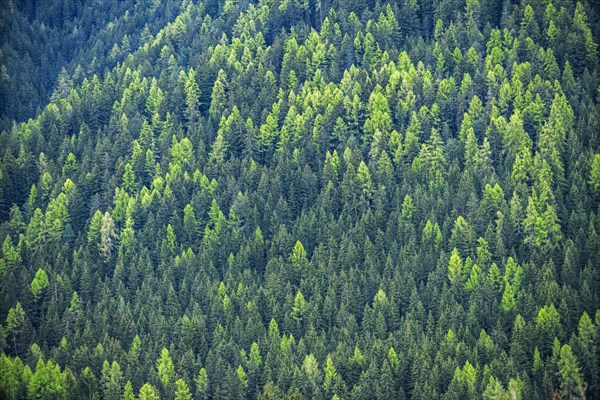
[48, 46]
[299, 199]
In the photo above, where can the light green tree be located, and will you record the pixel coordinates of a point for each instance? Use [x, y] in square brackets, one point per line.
[128, 392]
[330, 374]
[148, 392]
[299, 307]
[455, 267]
[47, 383]
[165, 368]
[14, 323]
[202, 384]
[595, 173]
[39, 283]
[242, 377]
[572, 385]
[112, 380]
[183, 391]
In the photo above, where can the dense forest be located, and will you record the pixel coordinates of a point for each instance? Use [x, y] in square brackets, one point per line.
[288, 199]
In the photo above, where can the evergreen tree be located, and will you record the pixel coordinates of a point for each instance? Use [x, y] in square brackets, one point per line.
[571, 381]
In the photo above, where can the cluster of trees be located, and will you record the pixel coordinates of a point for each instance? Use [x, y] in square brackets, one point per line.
[47, 46]
[308, 199]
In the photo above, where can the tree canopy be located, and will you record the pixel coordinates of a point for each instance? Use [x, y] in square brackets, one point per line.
[299, 199]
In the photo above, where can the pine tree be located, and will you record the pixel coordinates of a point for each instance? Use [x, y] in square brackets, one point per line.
[148, 392]
[48, 382]
[218, 97]
[455, 267]
[385, 387]
[330, 375]
[108, 236]
[192, 95]
[14, 323]
[571, 381]
[183, 391]
[595, 173]
[112, 381]
[128, 392]
[88, 386]
[39, 283]
[202, 384]
[587, 352]
[165, 370]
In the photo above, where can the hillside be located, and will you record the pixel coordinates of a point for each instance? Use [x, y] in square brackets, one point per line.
[47, 47]
[300, 199]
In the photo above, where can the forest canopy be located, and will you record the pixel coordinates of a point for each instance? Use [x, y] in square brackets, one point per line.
[287, 199]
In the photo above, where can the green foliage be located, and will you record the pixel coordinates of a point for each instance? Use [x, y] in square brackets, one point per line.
[406, 192]
[108, 235]
[112, 380]
[330, 374]
[571, 381]
[310, 370]
[39, 283]
[165, 368]
[13, 376]
[183, 391]
[202, 384]
[15, 317]
[464, 380]
[408, 207]
[48, 382]
[541, 222]
[494, 390]
[595, 173]
[299, 308]
[128, 392]
[455, 267]
[192, 94]
[298, 254]
[148, 392]
[242, 377]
